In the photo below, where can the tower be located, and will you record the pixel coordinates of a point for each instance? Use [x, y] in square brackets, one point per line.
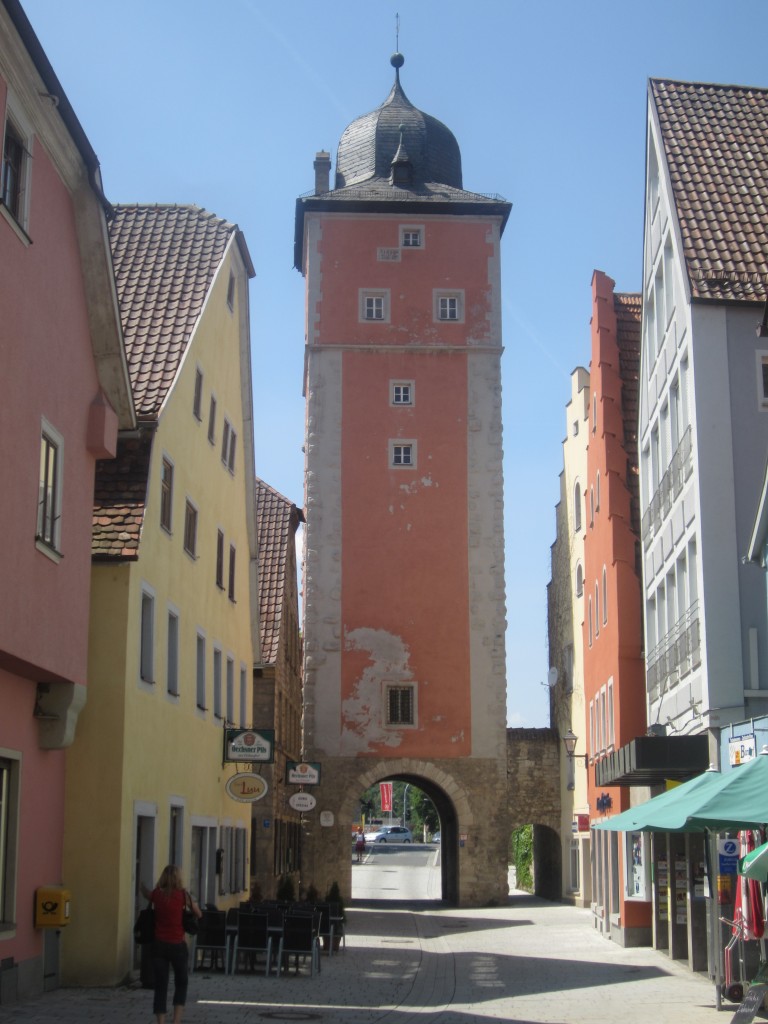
[404, 612]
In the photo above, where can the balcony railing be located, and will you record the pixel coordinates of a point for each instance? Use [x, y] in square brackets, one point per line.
[670, 488]
[676, 654]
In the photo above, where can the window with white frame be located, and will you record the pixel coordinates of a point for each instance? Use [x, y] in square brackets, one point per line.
[411, 236]
[217, 708]
[16, 175]
[243, 697]
[577, 507]
[374, 305]
[594, 413]
[9, 833]
[402, 392]
[592, 736]
[611, 738]
[190, 529]
[230, 691]
[597, 492]
[591, 506]
[402, 454]
[605, 596]
[50, 489]
[449, 305]
[200, 672]
[597, 609]
[172, 666]
[589, 617]
[400, 705]
[579, 579]
[147, 643]
[166, 494]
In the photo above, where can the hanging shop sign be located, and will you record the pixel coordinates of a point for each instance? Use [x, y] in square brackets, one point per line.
[249, 745]
[303, 773]
[246, 788]
[302, 801]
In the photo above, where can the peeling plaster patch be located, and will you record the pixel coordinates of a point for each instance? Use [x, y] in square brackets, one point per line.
[426, 481]
[361, 715]
[458, 738]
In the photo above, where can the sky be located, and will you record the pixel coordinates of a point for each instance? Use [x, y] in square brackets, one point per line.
[225, 105]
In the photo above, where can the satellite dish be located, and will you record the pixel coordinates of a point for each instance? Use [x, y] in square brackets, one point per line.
[551, 677]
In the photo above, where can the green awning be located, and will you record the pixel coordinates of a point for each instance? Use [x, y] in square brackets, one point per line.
[713, 801]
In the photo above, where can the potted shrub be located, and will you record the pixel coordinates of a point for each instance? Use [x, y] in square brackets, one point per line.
[286, 891]
[333, 897]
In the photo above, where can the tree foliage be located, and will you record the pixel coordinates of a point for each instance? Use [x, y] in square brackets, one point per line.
[521, 854]
[412, 807]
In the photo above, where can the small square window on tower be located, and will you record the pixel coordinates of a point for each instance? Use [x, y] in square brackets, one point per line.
[449, 305]
[400, 704]
[402, 454]
[411, 236]
[374, 305]
[402, 392]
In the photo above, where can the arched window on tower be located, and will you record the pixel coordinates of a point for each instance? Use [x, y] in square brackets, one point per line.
[577, 507]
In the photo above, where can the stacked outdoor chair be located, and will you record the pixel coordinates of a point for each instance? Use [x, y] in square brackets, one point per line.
[331, 926]
[251, 938]
[300, 938]
[211, 940]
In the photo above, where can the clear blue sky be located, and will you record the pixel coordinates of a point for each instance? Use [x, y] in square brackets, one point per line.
[225, 104]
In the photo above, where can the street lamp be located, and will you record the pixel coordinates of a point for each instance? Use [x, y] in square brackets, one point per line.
[570, 740]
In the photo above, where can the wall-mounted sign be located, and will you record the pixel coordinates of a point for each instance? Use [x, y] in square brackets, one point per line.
[249, 745]
[302, 801]
[246, 788]
[741, 749]
[304, 773]
[326, 818]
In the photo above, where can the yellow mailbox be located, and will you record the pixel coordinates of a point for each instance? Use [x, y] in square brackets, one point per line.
[52, 906]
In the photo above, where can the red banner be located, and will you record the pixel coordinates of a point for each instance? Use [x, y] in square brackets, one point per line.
[385, 788]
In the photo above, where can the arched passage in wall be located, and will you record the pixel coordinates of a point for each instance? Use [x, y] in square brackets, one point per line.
[450, 802]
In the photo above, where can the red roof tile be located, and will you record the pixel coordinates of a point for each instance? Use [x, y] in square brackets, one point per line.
[276, 522]
[119, 500]
[715, 140]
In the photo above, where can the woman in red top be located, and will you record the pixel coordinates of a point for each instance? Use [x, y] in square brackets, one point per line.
[170, 947]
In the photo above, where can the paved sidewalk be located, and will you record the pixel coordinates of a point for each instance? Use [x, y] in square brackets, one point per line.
[528, 962]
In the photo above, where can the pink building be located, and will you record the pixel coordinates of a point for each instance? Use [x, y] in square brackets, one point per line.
[64, 393]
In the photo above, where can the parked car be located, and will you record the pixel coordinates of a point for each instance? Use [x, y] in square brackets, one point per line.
[436, 837]
[390, 834]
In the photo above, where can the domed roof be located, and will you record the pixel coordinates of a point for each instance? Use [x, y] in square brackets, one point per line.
[371, 143]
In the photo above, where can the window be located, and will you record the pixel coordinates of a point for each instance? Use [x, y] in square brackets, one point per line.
[402, 392]
[579, 579]
[589, 622]
[243, 697]
[220, 560]
[577, 507]
[212, 420]
[594, 413]
[230, 691]
[231, 291]
[605, 596]
[166, 495]
[200, 673]
[190, 529]
[400, 705]
[591, 506]
[449, 305]
[9, 824]
[597, 610]
[176, 835]
[232, 447]
[50, 488]
[217, 682]
[411, 236]
[374, 304]
[14, 193]
[402, 454]
[172, 668]
[147, 659]
[597, 492]
[762, 379]
[197, 401]
[225, 442]
[232, 563]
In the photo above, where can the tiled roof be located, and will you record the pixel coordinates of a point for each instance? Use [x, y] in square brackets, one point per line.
[276, 521]
[119, 500]
[628, 308]
[165, 258]
[715, 140]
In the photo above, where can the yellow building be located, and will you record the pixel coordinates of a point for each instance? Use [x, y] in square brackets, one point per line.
[174, 620]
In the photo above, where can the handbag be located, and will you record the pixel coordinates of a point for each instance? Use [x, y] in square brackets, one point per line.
[144, 929]
[188, 916]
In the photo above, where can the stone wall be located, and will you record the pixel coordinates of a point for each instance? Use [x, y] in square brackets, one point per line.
[533, 772]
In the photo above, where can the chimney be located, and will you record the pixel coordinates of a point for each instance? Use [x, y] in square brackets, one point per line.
[322, 167]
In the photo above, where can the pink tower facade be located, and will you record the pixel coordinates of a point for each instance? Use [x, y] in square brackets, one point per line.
[404, 588]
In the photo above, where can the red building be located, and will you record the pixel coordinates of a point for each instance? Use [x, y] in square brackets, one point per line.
[614, 671]
[64, 391]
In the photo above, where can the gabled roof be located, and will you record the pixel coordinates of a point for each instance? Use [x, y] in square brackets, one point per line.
[276, 521]
[715, 140]
[165, 259]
